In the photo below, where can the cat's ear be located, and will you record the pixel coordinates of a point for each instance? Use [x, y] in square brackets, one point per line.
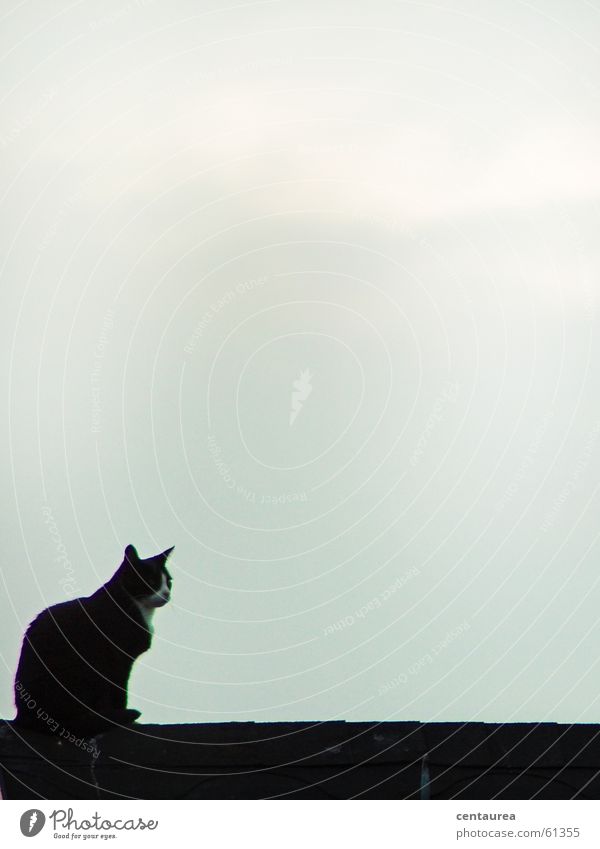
[131, 554]
[166, 553]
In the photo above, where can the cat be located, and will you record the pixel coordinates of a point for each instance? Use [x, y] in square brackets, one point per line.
[77, 656]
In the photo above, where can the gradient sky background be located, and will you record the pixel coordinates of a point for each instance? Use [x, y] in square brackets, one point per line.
[202, 202]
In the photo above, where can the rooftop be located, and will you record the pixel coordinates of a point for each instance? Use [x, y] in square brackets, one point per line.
[339, 760]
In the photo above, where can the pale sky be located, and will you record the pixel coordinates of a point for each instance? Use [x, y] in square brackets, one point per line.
[309, 290]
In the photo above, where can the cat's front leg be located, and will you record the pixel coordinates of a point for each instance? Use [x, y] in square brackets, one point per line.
[117, 697]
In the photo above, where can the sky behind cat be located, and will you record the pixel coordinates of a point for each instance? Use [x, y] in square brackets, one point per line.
[309, 291]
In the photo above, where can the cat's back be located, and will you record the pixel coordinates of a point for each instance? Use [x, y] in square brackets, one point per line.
[75, 634]
[55, 631]
[60, 618]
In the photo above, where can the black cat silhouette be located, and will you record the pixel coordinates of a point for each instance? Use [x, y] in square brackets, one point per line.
[77, 656]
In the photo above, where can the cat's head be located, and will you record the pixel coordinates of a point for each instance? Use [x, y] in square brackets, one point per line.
[146, 581]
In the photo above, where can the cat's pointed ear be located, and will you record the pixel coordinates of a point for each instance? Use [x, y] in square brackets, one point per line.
[166, 553]
[131, 554]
